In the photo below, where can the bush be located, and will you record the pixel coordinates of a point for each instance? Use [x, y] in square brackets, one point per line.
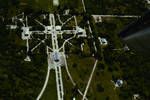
[101, 66]
[107, 98]
[74, 65]
[99, 88]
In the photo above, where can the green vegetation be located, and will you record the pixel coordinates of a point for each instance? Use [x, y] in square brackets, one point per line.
[120, 7]
[20, 80]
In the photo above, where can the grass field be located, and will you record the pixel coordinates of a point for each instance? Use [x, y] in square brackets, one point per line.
[47, 5]
[81, 74]
[80, 67]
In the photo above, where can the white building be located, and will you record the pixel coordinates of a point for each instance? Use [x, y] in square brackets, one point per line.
[25, 33]
[58, 28]
[81, 32]
[103, 41]
[97, 18]
[118, 83]
[82, 46]
[66, 12]
[148, 1]
[56, 2]
[27, 59]
[136, 97]
[12, 26]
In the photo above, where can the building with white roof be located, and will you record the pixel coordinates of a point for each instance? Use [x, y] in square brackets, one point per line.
[103, 41]
[56, 2]
[148, 1]
[25, 33]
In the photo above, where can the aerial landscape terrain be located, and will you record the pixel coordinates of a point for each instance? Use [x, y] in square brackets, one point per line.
[74, 50]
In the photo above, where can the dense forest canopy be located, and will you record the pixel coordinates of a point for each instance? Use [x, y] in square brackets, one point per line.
[20, 80]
